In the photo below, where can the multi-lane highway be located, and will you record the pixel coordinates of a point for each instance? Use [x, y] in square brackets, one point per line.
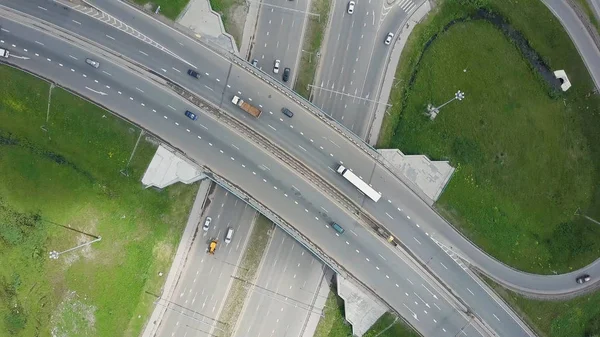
[283, 295]
[251, 169]
[281, 26]
[354, 58]
[257, 173]
[203, 286]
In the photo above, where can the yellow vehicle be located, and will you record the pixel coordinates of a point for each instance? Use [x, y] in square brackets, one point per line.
[212, 246]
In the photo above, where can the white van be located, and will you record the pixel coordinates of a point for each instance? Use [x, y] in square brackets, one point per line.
[4, 52]
[229, 235]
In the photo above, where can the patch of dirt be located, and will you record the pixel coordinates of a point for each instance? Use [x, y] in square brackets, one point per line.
[236, 19]
[74, 316]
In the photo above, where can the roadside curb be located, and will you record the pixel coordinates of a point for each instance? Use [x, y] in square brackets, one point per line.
[180, 258]
[385, 89]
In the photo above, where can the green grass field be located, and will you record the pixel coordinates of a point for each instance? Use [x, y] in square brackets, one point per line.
[168, 8]
[526, 162]
[579, 317]
[70, 176]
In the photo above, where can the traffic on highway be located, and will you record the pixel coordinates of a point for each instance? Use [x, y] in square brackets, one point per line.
[128, 71]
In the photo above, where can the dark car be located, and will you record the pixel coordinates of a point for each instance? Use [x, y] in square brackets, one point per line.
[191, 115]
[337, 228]
[287, 112]
[286, 74]
[583, 278]
[193, 73]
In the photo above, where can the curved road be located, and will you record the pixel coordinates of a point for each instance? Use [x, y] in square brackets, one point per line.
[402, 212]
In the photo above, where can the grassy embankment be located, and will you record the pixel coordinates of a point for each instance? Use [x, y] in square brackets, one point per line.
[528, 161]
[333, 323]
[168, 8]
[70, 176]
[312, 44]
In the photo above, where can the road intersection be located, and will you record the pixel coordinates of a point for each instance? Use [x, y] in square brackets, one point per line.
[402, 212]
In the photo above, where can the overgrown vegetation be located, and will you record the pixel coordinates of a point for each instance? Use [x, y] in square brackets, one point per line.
[311, 46]
[527, 158]
[64, 178]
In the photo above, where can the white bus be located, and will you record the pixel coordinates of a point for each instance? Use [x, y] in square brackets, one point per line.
[358, 183]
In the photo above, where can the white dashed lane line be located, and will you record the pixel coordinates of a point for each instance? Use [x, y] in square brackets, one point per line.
[110, 37]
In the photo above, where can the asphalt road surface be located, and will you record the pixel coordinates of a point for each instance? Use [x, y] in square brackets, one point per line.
[310, 220]
[355, 57]
[283, 295]
[234, 157]
[255, 172]
[281, 26]
[205, 281]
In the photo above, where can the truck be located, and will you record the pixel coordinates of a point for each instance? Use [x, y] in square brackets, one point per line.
[249, 108]
[358, 183]
[4, 53]
[212, 246]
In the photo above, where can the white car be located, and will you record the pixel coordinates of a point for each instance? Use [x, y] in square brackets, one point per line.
[276, 66]
[388, 38]
[351, 7]
[206, 225]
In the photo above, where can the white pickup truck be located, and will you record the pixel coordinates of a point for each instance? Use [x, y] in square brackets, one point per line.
[4, 52]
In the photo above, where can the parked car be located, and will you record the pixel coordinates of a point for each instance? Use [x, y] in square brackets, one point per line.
[276, 66]
[255, 63]
[286, 74]
[351, 5]
[191, 115]
[583, 278]
[193, 73]
[388, 38]
[287, 112]
[206, 225]
[93, 63]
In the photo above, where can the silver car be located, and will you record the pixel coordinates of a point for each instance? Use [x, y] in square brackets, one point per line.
[388, 38]
[276, 66]
[93, 63]
[206, 225]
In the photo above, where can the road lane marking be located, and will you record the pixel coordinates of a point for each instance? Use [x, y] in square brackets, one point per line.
[172, 107]
[40, 7]
[38, 42]
[77, 22]
[271, 127]
[443, 265]
[138, 89]
[302, 148]
[470, 291]
[386, 213]
[177, 70]
[106, 73]
[496, 317]
[110, 37]
[381, 256]
[71, 56]
[419, 242]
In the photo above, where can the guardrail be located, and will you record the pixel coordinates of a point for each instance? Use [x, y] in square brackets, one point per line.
[257, 138]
